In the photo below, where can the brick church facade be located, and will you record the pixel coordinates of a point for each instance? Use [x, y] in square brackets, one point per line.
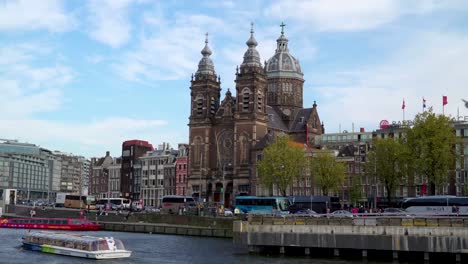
[226, 137]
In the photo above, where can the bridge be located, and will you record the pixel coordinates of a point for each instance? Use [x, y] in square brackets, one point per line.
[395, 237]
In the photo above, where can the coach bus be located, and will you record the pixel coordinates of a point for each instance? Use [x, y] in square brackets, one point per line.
[445, 204]
[262, 205]
[172, 203]
[319, 204]
[80, 201]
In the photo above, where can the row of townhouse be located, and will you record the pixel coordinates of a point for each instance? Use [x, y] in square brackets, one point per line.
[352, 148]
[141, 173]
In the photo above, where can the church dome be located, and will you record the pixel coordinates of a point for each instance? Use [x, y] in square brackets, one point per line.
[283, 64]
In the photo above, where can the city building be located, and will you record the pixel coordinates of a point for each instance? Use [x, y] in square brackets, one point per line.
[158, 174]
[225, 136]
[71, 172]
[114, 177]
[132, 150]
[99, 179]
[34, 171]
[461, 168]
[25, 167]
[182, 170]
[350, 148]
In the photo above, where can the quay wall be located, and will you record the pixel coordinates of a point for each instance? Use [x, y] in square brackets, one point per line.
[168, 229]
[399, 236]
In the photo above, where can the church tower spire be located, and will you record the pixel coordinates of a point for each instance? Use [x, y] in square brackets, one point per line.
[205, 88]
[206, 66]
[251, 56]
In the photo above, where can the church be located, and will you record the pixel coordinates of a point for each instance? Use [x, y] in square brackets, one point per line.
[227, 136]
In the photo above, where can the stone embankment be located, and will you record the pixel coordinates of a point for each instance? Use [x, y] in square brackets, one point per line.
[392, 237]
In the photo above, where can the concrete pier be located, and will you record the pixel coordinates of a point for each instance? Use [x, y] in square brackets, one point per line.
[426, 239]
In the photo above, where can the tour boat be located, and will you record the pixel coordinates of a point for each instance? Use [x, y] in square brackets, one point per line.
[75, 224]
[75, 245]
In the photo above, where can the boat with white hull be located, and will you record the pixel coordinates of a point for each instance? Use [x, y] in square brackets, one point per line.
[75, 245]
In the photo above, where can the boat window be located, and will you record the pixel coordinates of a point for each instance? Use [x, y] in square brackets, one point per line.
[103, 245]
[69, 244]
[64, 222]
[119, 244]
[14, 221]
[94, 246]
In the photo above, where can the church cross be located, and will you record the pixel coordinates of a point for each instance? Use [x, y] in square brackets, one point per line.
[282, 28]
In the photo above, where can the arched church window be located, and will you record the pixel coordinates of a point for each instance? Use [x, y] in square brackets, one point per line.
[244, 149]
[197, 151]
[245, 99]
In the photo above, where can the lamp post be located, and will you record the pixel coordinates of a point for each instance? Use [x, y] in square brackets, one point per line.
[106, 173]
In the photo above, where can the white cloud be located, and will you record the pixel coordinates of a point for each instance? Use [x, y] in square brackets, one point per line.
[431, 65]
[338, 15]
[169, 53]
[109, 21]
[32, 15]
[28, 88]
[330, 15]
[104, 134]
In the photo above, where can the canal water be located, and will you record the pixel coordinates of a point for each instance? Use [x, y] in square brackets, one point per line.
[154, 248]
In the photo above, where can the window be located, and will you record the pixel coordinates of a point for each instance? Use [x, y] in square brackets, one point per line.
[199, 104]
[212, 106]
[259, 102]
[245, 99]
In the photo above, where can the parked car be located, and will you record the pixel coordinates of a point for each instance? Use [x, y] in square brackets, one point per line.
[228, 212]
[151, 209]
[341, 213]
[306, 212]
[392, 211]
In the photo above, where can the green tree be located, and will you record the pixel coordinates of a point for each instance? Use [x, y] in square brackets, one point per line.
[431, 141]
[282, 162]
[355, 193]
[328, 173]
[388, 162]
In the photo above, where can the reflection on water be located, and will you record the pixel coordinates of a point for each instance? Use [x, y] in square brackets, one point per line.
[153, 248]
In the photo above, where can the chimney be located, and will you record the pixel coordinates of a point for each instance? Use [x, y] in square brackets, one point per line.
[107, 153]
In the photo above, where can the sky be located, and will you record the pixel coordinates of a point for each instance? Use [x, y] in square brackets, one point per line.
[84, 76]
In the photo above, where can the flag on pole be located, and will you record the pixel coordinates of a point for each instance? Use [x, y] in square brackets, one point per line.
[403, 106]
[424, 103]
[444, 100]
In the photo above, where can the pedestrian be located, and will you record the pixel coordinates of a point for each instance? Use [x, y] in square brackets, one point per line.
[32, 212]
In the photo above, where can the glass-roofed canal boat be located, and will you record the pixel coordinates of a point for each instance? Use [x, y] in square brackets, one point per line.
[75, 245]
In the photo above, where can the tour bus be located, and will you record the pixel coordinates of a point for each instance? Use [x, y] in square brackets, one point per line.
[115, 203]
[318, 204]
[172, 203]
[80, 201]
[444, 204]
[262, 205]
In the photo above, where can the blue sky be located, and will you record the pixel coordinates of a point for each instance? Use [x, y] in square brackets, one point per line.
[83, 76]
